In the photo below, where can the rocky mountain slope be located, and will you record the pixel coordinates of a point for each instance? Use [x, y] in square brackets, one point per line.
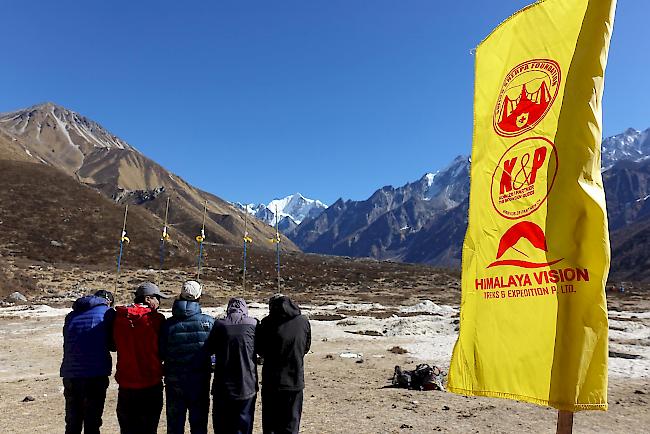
[55, 219]
[384, 225]
[627, 188]
[630, 145]
[57, 137]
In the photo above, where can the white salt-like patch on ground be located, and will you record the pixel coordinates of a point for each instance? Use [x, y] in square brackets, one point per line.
[32, 311]
[430, 307]
[427, 337]
[632, 338]
[348, 306]
[351, 355]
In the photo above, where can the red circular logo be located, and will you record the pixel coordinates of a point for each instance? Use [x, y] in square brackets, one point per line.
[524, 177]
[527, 94]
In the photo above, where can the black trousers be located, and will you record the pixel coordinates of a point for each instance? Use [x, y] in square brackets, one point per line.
[233, 416]
[138, 410]
[281, 411]
[84, 404]
[192, 396]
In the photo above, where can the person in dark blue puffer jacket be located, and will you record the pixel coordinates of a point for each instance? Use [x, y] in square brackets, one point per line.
[186, 362]
[87, 361]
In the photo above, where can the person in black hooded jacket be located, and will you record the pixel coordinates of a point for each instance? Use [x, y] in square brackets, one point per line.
[282, 340]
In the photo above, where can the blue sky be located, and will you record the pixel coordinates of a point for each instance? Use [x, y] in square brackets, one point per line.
[253, 100]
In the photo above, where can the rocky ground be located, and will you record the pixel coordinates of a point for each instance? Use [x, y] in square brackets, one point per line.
[354, 328]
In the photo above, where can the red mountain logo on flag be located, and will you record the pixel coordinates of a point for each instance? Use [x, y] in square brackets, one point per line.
[534, 235]
[527, 94]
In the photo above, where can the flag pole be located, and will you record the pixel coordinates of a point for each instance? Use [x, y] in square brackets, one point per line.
[123, 238]
[163, 238]
[564, 422]
[277, 243]
[200, 239]
[245, 243]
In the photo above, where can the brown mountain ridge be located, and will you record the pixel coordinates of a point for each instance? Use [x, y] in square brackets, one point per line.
[46, 216]
[51, 135]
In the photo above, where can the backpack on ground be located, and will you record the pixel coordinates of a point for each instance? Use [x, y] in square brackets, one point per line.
[424, 377]
[401, 379]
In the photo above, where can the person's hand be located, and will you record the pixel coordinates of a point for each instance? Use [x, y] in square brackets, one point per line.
[152, 301]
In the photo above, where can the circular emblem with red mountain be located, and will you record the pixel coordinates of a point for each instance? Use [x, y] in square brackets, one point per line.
[527, 94]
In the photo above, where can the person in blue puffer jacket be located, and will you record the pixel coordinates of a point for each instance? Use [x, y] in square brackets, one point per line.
[186, 362]
[87, 361]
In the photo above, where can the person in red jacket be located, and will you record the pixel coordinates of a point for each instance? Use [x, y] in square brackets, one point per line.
[139, 368]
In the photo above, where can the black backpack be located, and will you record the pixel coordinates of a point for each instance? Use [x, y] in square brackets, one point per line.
[401, 378]
[424, 377]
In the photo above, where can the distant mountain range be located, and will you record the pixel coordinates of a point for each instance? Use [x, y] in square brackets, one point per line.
[389, 224]
[291, 211]
[425, 221]
[61, 139]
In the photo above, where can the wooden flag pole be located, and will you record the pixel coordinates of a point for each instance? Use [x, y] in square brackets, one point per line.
[564, 422]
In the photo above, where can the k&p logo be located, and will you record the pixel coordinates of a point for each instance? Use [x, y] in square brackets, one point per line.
[524, 177]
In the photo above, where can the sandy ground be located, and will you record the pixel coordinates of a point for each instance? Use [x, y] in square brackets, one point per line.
[346, 395]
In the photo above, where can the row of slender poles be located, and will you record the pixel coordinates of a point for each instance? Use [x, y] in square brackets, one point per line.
[200, 239]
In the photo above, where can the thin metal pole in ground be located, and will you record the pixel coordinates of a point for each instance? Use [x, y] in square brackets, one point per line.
[200, 239]
[164, 237]
[123, 239]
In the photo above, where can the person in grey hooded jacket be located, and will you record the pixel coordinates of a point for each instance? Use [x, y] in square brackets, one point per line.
[186, 362]
[234, 388]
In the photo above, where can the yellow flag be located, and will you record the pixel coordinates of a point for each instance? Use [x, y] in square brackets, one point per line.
[533, 321]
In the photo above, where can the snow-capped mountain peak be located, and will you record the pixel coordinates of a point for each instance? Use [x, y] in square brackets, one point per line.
[631, 144]
[456, 173]
[295, 206]
[291, 210]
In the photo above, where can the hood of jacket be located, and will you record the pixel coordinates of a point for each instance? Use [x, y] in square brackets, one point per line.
[282, 308]
[88, 302]
[236, 310]
[185, 308]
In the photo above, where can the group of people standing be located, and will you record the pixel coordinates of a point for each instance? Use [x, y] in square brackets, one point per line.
[184, 351]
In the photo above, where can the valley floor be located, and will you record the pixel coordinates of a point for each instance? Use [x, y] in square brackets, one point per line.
[346, 394]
